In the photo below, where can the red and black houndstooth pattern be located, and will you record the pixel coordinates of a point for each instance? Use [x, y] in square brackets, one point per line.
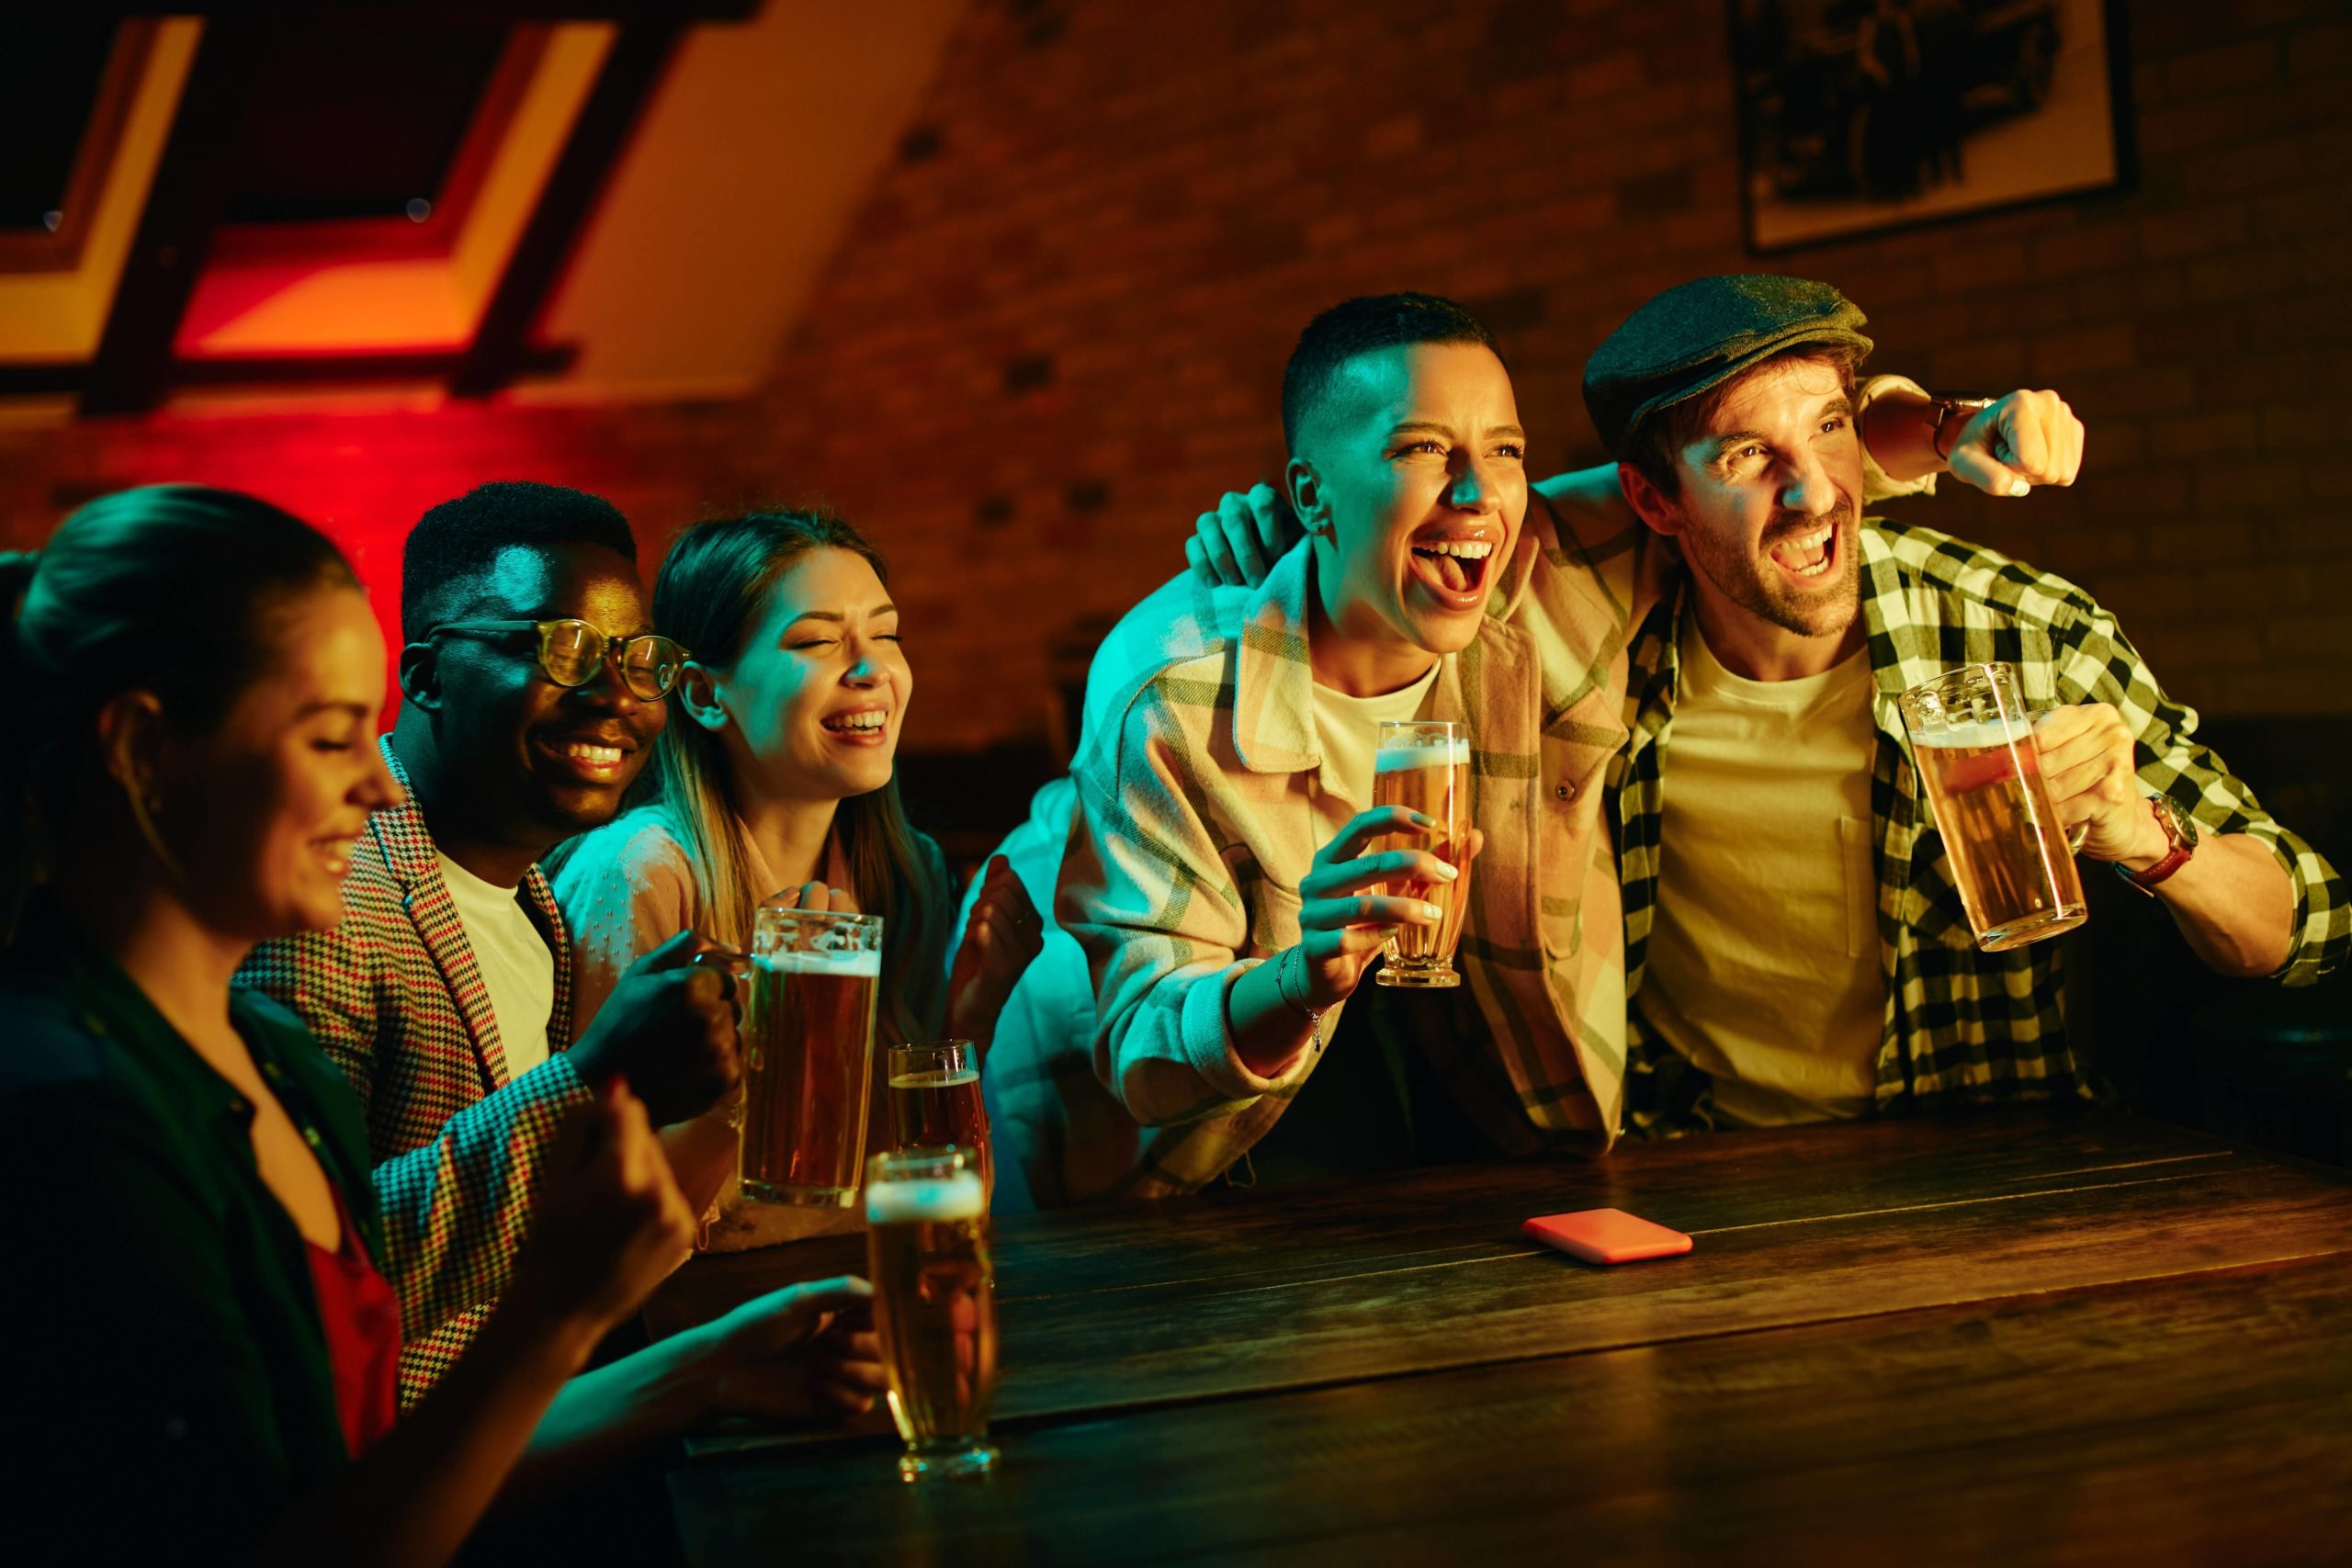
[396, 998]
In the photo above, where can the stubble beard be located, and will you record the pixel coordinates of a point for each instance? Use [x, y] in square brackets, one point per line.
[1751, 581]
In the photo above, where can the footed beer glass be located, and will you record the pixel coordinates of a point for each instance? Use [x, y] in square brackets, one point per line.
[934, 1306]
[1974, 745]
[808, 1054]
[1424, 765]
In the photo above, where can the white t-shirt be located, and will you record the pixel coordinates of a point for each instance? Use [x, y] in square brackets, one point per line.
[518, 967]
[1763, 964]
[1347, 730]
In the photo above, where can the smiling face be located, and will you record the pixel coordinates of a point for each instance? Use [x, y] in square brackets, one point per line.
[1769, 504]
[263, 812]
[544, 760]
[1410, 475]
[812, 708]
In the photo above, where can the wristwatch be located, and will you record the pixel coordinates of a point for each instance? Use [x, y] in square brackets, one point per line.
[1945, 408]
[2180, 827]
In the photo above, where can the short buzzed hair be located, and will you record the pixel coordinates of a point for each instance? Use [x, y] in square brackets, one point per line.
[462, 538]
[1360, 326]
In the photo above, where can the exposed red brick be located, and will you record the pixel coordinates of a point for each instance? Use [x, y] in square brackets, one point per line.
[1156, 200]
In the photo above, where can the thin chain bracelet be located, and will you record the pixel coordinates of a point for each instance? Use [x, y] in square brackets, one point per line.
[1282, 990]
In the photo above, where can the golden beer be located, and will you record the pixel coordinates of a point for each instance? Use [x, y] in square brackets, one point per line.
[934, 1306]
[935, 1102]
[1982, 768]
[1424, 766]
[807, 1039]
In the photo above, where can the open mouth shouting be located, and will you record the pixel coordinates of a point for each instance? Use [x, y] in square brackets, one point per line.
[868, 726]
[1452, 562]
[1810, 551]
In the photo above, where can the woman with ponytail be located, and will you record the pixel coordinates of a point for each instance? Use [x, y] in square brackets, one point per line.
[774, 779]
[202, 1348]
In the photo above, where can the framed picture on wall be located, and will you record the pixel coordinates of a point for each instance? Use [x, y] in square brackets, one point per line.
[1858, 115]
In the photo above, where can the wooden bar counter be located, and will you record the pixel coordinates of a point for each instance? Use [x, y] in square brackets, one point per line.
[2047, 1335]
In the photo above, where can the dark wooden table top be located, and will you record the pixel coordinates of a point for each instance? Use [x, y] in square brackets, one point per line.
[2047, 1335]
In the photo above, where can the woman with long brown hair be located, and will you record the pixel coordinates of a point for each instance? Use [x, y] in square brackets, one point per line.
[775, 777]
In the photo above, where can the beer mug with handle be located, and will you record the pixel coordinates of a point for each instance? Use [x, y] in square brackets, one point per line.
[807, 1037]
[1974, 742]
[1424, 765]
[934, 1306]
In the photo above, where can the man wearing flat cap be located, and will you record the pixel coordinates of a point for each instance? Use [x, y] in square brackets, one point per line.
[1789, 960]
[1796, 949]
[1217, 873]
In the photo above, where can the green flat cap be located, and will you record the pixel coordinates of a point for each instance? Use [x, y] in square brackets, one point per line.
[1699, 335]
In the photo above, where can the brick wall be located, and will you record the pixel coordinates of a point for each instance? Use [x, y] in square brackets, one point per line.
[1057, 331]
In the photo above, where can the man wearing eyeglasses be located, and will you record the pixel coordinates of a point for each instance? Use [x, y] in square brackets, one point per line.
[532, 688]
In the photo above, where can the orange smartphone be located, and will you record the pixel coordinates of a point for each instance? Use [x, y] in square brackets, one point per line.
[1606, 1235]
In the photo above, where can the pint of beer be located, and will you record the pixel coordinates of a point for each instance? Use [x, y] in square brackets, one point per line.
[1976, 753]
[934, 1306]
[935, 1102]
[1425, 766]
[808, 1054]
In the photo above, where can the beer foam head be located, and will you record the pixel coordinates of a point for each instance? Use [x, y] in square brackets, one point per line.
[1975, 734]
[848, 966]
[957, 1196]
[1454, 753]
[949, 1077]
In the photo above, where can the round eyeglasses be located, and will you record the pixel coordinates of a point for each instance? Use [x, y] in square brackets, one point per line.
[571, 651]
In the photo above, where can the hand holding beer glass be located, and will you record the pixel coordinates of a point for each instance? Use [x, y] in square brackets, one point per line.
[1424, 766]
[1976, 753]
[935, 1102]
[807, 1038]
[934, 1306]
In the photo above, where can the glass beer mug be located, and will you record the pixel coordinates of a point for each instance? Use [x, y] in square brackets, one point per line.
[1974, 745]
[807, 1037]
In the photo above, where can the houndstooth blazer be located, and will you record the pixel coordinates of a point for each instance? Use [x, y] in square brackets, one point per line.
[396, 998]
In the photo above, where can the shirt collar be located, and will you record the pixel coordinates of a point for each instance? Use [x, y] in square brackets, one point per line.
[1273, 697]
[109, 1004]
[1902, 647]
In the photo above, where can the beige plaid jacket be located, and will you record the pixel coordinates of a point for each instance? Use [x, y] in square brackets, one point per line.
[1202, 802]
[1200, 807]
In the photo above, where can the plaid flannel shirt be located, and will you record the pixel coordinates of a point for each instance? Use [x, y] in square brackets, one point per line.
[395, 996]
[1961, 1025]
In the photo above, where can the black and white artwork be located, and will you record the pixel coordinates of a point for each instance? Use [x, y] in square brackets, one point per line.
[1863, 115]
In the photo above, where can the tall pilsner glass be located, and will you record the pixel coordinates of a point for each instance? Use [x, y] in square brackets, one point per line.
[808, 1054]
[934, 1306]
[1976, 753]
[935, 1101]
[1424, 764]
